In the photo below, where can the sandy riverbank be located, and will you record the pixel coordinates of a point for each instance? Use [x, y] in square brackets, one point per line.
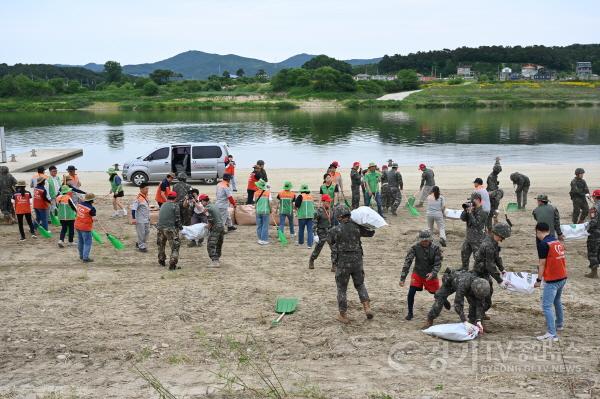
[125, 311]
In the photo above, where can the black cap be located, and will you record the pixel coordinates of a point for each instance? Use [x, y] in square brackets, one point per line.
[260, 162]
[479, 180]
[41, 169]
[226, 177]
[71, 167]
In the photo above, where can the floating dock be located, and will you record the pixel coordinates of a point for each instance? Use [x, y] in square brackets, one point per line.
[25, 162]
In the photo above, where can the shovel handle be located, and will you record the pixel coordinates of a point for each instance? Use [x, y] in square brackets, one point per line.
[279, 318]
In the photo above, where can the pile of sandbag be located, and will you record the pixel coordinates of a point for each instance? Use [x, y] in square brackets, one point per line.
[521, 282]
[367, 217]
[453, 332]
[574, 231]
[245, 215]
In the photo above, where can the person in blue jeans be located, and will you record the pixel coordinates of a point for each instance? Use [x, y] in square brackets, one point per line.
[84, 224]
[262, 205]
[552, 269]
[305, 205]
[286, 207]
[41, 203]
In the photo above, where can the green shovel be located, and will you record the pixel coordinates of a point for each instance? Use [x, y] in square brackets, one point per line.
[283, 306]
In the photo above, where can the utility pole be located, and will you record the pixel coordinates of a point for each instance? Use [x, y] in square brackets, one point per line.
[2, 144]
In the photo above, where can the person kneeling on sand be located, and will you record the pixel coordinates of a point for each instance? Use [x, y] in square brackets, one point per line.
[345, 238]
[428, 261]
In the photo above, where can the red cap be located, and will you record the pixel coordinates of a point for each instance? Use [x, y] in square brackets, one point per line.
[325, 198]
[172, 194]
[355, 164]
[203, 197]
[335, 164]
[384, 167]
[596, 193]
[422, 166]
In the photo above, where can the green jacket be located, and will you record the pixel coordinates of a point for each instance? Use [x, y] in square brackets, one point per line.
[372, 180]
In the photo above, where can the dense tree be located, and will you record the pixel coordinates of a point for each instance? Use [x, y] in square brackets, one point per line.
[113, 71]
[240, 72]
[330, 79]
[325, 61]
[150, 89]
[226, 74]
[162, 76]
[408, 79]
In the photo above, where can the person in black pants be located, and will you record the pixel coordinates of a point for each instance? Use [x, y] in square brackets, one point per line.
[22, 200]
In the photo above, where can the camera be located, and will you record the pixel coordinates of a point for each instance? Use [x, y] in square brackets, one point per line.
[468, 204]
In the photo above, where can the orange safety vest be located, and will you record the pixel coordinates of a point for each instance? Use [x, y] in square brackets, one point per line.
[142, 198]
[252, 182]
[556, 265]
[75, 182]
[230, 169]
[286, 195]
[22, 203]
[84, 221]
[39, 202]
[159, 197]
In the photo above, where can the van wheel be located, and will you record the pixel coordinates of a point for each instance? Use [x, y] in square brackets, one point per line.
[210, 181]
[138, 178]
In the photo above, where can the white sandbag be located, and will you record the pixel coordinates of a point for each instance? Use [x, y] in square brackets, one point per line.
[521, 282]
[574, 231]
[453, 213]
[367, 217]
[452, 332]
[195, 231]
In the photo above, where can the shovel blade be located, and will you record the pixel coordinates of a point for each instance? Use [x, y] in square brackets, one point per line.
[286, 305]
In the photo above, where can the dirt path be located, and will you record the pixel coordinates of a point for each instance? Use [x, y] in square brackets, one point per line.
[398, 96]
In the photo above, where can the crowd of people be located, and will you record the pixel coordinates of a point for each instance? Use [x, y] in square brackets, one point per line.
[326, 219]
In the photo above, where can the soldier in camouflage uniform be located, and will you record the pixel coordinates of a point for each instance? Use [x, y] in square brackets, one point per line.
[7, 189]
[488, 263]
[546, 213]
[321, 228]
[522, 184]
[494, 190]
[183, 191]
[386, 200]
[466, 285]
[476, 219]
[216, 230]
[427, 183]
[345, 238]
[355, 184]
[428, 261]
[593, 240]
[579, 192]
[169, 225]
[395, 184]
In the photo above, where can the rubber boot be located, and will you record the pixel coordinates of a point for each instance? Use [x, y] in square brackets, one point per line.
[367, 308]
[427, 324]
[311, 263]
[342, 318]
[593, 272]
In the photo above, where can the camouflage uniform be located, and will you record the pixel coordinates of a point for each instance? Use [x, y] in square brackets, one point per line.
[385, 192]
[578, 191]
[355, 184]
[548, 214]
[593, 240]
[458, 282]
[522, 184]
[496, 194]
[169, 224]
[7, 189]
[216, 233]
[427, 183]
[427, 260]
[182, 189]
[321, 228]
[345, 238]
[476, 221]
[488, 263]
[395, 184]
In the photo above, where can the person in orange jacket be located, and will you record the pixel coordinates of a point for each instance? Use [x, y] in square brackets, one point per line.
[163, 189]
[84, 224]
[22, 205]
[230, 170]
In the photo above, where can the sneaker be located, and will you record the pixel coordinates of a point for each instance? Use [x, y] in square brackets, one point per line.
[409, 317]
[547, 337]
[88, 260]
[561, 328]
[21, 239]
[116, 214]
[215, 263]
[61, 244]
[142, 250]
[33, 236]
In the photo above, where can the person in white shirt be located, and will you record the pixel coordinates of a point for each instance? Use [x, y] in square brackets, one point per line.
[436, 206]
[485, 196]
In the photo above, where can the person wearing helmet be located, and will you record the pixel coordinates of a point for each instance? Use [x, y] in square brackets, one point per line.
[521, 184]
[579, 194]
[428, 261]
[427, 183]
[169, 225]
[494, 190]
[345, 241]
[216, 230]
[488, 263]
[355, 184]
[7, 189]
[395, 186]
[321, 226]
[182, 188]
[466, 285]
[547, 213]
[593, 240]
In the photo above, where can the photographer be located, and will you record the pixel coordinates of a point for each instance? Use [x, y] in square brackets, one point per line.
[476, 219]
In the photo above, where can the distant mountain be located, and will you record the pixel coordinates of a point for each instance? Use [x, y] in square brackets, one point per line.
[200, 65]
[47, 71]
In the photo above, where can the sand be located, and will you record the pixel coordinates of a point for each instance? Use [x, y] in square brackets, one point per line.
[70, 330]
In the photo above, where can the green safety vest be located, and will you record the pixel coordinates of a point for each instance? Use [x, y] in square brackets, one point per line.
[307, 208]
[285, 202]
[52, 189]
[261, 202]
[329, 190]
[65, 212]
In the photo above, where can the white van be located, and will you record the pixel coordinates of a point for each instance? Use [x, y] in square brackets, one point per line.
[204, 162]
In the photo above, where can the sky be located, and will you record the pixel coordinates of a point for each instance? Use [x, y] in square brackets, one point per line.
[137, 31]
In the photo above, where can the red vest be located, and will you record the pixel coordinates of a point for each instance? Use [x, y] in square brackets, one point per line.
[252, 182]
[39, 199]
[22, 204]
[159, 198]
[230, 169]
[556, 265]
[84, 221]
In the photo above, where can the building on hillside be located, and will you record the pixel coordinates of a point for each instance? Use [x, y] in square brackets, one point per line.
[528, 71]
[362, 76]
[583, 70]
[505, 74]
[365, 76]
[464, 71]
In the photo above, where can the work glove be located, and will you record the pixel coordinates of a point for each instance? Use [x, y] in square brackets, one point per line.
[587, 196]
[471, 329]
[480, 326]
[504, 284]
